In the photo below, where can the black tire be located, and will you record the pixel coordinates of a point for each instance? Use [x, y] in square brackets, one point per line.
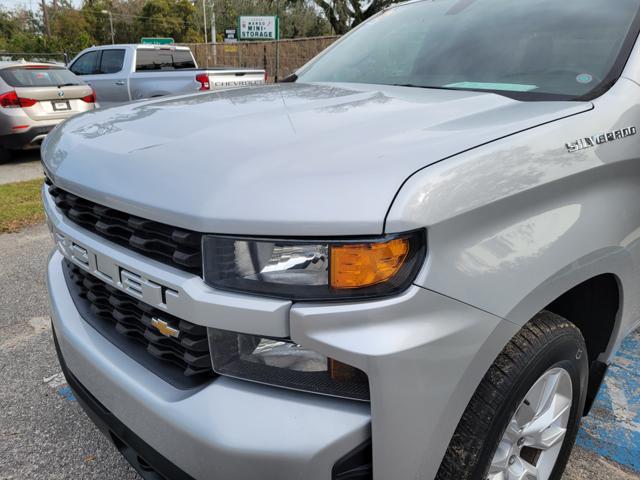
[546, 342]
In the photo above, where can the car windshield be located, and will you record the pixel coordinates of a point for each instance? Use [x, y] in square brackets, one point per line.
[538, 49]
[38, 76]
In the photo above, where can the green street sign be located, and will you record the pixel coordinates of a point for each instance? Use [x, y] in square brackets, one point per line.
[157, 41]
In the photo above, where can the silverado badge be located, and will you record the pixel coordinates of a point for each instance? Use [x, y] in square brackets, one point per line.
[594, 140]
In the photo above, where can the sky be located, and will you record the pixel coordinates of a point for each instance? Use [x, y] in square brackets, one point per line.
[32, 4]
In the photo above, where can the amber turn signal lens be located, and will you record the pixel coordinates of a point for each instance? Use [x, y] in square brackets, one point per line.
[365, 264]
[341, 372]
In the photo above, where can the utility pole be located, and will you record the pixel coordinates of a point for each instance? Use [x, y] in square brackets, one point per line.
[277, 40]
[204, 17]
[214, 40]
[45, 19]
[113, 35]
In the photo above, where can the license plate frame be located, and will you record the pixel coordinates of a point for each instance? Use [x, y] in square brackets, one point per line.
[60, 105]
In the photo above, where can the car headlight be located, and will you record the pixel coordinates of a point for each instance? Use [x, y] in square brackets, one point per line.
[314, 270]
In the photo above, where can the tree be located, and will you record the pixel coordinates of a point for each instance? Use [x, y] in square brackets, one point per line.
[68, 28]
[21, 31]
[72, 29]
[169, 18]
[346, 14]
[97, 23]
[302, 19]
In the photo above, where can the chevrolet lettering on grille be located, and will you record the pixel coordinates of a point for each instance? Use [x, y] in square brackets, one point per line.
[110, 272]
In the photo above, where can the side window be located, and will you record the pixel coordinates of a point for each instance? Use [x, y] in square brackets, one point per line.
[147, 59]
[183, 59]
[153, 60]
[112, 61]
[87, 64]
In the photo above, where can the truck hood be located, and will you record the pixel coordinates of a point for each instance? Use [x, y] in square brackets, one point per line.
[288, 159]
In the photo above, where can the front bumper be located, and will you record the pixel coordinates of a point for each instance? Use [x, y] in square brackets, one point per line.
[147, 462]
[228, 429]
[424, 355]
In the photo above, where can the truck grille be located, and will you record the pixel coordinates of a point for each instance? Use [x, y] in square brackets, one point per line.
[173, 246]
[183, 359]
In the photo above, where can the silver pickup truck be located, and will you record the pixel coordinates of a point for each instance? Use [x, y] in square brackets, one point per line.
[122, 73]
[415, 260]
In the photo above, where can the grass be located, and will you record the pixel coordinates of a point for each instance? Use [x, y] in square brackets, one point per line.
[20, 205]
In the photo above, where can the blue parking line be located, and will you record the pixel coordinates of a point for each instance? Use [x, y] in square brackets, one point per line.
[612, 430]
[67, 393]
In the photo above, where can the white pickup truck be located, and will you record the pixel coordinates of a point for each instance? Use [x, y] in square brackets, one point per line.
[123, 73]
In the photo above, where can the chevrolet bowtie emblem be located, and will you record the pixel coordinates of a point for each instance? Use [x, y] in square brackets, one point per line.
[164, 328]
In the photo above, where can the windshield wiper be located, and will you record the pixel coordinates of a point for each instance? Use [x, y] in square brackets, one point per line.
[412, 85]
[289, 79]
[504, 93]
[68, 85]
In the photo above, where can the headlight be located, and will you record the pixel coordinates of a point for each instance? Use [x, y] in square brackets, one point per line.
[283, 363]
[314, 270]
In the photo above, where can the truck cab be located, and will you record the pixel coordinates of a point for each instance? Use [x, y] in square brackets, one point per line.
[124, 73]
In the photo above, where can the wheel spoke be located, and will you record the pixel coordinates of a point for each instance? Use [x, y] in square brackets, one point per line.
[513, 431]
[498, 476]
[538, 398]
[529, 472]
[501, 458]
[540, 423]
[549, 427]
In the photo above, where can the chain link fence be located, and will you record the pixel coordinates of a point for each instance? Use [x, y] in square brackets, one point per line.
[293, 54]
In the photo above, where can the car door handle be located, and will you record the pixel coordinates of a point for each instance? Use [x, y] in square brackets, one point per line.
[120, 82]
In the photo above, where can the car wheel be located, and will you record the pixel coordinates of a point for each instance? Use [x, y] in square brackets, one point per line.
[522, 421]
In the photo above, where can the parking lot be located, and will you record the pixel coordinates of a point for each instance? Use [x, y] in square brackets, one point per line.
[22, 166]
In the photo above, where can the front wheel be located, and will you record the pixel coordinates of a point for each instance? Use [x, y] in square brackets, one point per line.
[522, 421]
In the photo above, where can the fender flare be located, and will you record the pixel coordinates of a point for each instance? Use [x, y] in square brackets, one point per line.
[614, 261]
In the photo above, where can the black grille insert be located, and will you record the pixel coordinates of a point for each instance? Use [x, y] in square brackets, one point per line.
[185, 361]
[176, 247]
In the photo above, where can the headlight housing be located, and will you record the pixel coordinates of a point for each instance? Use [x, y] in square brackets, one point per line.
[314, 269]
[282, 363]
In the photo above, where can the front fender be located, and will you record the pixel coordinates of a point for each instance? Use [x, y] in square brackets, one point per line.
[424, 354]
[516, 223]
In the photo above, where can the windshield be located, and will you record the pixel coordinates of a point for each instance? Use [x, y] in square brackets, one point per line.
[38, 76]
[524, 49]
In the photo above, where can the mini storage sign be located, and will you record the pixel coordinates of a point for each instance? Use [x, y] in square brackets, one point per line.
[258, 28]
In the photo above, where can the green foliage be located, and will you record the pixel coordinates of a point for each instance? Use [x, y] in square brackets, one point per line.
[67, 29]
[19, 31]
[298, 18]
[169, 18]
[346, 14]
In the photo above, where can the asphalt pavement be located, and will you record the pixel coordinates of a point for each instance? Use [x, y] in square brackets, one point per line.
[23, 165]
[44, 434]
